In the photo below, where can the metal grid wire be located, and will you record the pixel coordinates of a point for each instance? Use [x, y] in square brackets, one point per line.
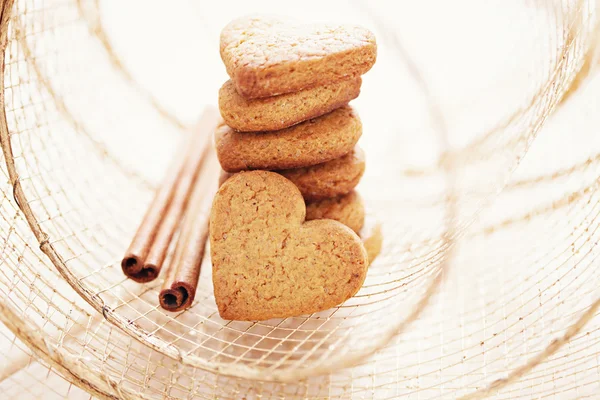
[23, 377]
[518, 267]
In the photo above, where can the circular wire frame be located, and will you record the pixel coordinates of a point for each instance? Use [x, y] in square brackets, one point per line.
[81, 220]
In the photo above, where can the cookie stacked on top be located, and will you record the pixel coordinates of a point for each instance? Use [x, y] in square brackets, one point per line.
[285, 108]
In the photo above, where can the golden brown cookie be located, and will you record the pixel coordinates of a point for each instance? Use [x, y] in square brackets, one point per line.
[322, 181]
[312, 142]
[330, 179]
[372, 237]
[267, 56]
[348, 209]
[279, 112]
[268, 262]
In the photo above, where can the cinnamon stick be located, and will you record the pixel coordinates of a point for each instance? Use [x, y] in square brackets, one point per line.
[148, 249]
[179, 288]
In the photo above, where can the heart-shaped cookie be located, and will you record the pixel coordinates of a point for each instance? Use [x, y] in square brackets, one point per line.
[280, 112]
[348, 209]
[268, 262]
[267, 56]
[312, 142]
[326, 180]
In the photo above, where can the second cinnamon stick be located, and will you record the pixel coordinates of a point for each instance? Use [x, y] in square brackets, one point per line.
[148, 249]
[181, 280]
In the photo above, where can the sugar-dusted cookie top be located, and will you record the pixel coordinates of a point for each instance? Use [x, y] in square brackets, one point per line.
[268, 262]
[312, 142]
[280, 112]
[267, 56]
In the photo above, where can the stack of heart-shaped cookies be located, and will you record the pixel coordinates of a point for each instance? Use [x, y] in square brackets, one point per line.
[285, 109]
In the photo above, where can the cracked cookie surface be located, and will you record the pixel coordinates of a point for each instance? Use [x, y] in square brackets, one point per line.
[268, 262]
[312, 142]
[267, 56]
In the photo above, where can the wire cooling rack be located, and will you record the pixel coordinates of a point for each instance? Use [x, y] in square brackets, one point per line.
[486, 282]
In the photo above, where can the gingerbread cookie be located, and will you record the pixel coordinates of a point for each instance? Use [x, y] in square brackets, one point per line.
[312, 142]
[268, 56]
[279, 112]
[348, 209]
[268, 262]
[322, 181]
[331, 179]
